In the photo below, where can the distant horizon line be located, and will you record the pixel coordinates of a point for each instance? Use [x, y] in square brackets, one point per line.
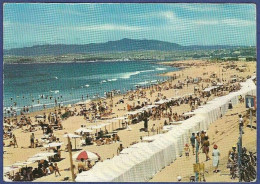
[127, 39]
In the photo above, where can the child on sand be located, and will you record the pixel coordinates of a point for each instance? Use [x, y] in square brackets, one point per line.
[187, 150]
[56, 169]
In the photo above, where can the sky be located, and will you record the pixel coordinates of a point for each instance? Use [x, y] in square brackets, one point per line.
[28, 24]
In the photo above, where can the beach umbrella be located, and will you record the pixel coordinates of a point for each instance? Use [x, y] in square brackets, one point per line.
[53, 144]
[21, 164]
[84, 130]
[74, 136]
[35, 159]
[120, 118]
[45, 154]
[97, 126]
[8, 169]
[86, 155]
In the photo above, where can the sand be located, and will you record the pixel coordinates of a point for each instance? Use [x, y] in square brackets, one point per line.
[170, 173]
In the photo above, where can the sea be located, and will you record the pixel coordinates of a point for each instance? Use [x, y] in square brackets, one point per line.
[36, 85]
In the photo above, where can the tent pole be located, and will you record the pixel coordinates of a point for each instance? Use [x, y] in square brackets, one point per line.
[71, 161]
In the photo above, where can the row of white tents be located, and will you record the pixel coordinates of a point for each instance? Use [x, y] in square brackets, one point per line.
[143, 160]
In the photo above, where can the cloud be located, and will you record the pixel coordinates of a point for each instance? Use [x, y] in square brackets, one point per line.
[198, 7]
[108, 27]
[206, 22]
[228, 22]
[169, 15]
[238, 22]
[174, 22]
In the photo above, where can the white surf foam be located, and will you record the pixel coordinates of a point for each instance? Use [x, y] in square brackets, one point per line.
[161, 68]
[127, 75]
[109, 80]
[144, 71]
[143, 83]
[56, 91]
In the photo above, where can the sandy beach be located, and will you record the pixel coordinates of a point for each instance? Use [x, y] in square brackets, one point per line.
[224, 132]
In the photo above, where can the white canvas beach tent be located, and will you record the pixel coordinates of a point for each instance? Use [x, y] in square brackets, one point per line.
[155, 155]
[177, 144]
[142, 160]
[53, 144]
[84, 130]
[160, 102]
[141, 167]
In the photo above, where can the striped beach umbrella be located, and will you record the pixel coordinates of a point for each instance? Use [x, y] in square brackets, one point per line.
[86, 155]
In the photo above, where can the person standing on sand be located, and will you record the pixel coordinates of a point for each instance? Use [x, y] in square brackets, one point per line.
[32, 140]
[56, 169]
[146, 124]
[215, 154]
[198, 138]
[153, 129]
[119, 149]
[15, 141]
[187, 150]
[205, 147]
[202, 137]
[192, 141]
[241, 123]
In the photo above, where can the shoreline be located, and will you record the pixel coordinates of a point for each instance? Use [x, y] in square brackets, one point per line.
[101, 61]
[47, 110]
[127, 137]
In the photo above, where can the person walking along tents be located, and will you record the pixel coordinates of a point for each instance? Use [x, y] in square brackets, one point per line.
[215, 154]
[192, 141]
[205, 148]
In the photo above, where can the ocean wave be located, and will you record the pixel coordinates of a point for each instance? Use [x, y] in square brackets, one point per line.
[143, 83]
[37, 105]
[72, 100]
[161, 68]
[87, 85]
[144, 71]
[154, 81]
[103, 81]
[110, 77]
[112, 80]
[56, 91]
[56, 77]
[127, 75]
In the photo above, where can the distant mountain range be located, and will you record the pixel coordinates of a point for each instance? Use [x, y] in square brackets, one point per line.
[111, 46]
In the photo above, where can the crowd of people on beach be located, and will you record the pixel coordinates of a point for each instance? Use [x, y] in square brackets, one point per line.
[101, 109]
